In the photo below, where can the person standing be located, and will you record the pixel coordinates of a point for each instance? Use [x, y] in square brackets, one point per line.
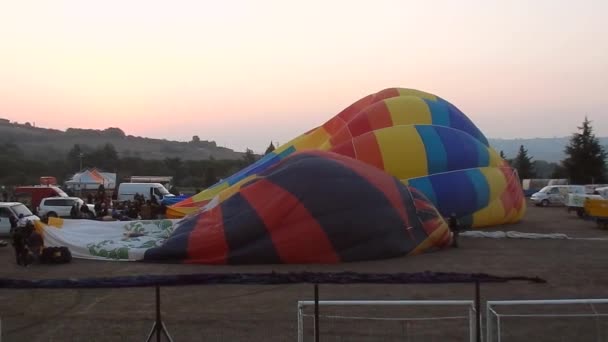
[454, 226]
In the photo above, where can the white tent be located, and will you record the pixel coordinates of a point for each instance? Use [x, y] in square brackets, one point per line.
[91, 179]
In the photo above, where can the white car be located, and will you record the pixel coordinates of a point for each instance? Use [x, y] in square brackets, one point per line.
[8, 209]
[60, 206]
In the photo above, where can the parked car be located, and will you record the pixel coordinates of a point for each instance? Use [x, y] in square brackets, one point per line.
[556, 194]
[8, 209]
[60, 206]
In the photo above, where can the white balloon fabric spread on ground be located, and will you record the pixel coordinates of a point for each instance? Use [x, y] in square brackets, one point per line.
[373, 182]
[116, 240]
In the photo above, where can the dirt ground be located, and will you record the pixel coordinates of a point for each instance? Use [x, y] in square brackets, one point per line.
[573, 269]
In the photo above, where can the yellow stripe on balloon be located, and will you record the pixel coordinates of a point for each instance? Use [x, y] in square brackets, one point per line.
[495, 159]
[224, 195]
[432, 240]
[496, 181]
[408, 110]
[417, 93]
[398, 161]
[210, 193]
[487, 216]
[312, 140]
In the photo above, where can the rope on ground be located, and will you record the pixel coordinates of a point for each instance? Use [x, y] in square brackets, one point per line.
[521, 235]
[264, 279]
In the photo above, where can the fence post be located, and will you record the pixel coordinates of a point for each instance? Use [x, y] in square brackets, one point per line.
[317, 313]
[477, 312]
[158, 320]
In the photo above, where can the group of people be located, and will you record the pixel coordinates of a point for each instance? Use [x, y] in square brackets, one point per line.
[109, 209]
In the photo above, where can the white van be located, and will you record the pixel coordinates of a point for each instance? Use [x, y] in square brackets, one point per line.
[14, 209]
[602, 192]
[556, 194]
[126, 191]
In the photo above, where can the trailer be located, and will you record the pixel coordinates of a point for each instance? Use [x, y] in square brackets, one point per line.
[597, 210]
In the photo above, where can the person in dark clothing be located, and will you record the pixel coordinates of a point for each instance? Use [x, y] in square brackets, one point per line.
[454, 226]
[74, 212]
[21, 237]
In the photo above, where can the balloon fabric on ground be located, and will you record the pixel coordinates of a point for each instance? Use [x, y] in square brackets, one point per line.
[313, 207]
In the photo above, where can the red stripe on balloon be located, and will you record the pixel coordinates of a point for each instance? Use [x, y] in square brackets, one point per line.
[207, 243]
[297, 237]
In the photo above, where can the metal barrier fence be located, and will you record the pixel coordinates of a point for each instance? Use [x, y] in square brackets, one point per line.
[159, 329]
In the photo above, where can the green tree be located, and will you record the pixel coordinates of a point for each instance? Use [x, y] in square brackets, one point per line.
[523, 164]
[585, 158]
[269, 149]
[249, 158]
[73, 157]
[210, 177]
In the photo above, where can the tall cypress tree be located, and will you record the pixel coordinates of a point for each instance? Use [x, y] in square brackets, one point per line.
[523, 164]
[585, 161]
[270, 148]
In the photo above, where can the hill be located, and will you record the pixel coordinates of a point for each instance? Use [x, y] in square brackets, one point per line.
[548, 149]
[51, 144]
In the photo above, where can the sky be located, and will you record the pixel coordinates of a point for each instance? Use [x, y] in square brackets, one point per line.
[244, 73]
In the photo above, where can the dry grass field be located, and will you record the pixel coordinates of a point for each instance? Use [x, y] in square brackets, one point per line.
[573, 269]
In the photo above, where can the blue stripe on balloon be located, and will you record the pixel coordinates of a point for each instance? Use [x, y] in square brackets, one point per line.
[460, 149]
[461, 122]
[424, 185]
[483, 155]
[436, 158]
[439, 112]
[264, 163]
[454, 193]
[482, 188]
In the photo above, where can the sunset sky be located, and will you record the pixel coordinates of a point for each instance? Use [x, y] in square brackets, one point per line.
[243, 73]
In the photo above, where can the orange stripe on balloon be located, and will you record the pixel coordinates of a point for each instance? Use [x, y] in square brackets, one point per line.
[379, 116]
[367, 150]
[341, 136]
[351, 111]
[334, 125]
[345, 149]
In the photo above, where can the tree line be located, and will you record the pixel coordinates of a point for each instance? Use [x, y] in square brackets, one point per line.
[15, 169]
[585, 161]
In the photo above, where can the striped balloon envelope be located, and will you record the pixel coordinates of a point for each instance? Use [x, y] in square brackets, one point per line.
[312, 207]
[414, 136]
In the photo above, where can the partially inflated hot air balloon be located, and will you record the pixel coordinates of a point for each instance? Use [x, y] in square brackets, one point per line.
[421, 139]
[313, 207]
[373, 182]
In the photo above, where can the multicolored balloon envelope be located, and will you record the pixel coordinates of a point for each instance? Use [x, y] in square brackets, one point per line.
[421, 139]
[375, 181]
[313, 207]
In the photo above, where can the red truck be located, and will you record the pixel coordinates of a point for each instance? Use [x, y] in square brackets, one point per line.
[31, 195]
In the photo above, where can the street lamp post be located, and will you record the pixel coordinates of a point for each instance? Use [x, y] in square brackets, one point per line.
[80, 157]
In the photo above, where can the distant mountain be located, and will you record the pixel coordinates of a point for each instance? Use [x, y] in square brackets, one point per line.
[548, 149]
[51, 144]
